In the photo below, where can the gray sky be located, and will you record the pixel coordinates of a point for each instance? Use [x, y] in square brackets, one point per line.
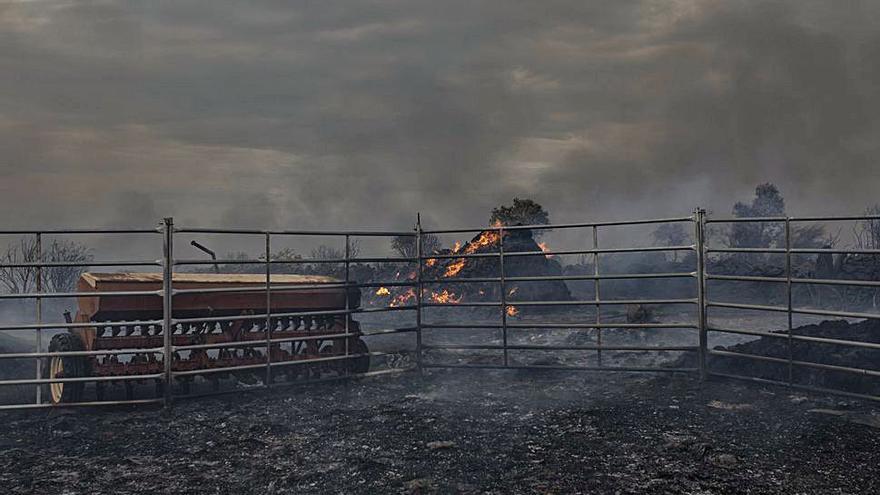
[342, 114]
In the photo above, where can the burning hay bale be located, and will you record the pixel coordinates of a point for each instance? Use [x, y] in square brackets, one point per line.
[488, 242]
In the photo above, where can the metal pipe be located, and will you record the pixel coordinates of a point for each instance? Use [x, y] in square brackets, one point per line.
[559, 347]
[268, 321]
[50, 264]
[210, 253]
[806, 364]
[562, 225]
[609, 276]
[788, 291]
[597, 298]
[803, 338]
[802, 311]
[647, 249]
[108, 352]
[503, 294]
[564, 325]
[702, 307]
[355, 233]
[66, 295]
[419, 292]
[167, 306]
[84, 379]
[39, 315]
[566, 368]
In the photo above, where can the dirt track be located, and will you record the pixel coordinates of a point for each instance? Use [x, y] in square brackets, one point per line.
[455, 433]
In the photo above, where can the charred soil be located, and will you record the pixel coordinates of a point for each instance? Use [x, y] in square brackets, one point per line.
[486, 432]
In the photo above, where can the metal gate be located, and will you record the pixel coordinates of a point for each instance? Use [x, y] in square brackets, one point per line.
[816, 352]
[591, 326]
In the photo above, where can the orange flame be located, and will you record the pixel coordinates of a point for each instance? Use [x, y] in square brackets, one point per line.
[383, 291]
[402, 299]
[431, 262]
[512, 311]
[545, 248]
[445, 297]
[487, 238]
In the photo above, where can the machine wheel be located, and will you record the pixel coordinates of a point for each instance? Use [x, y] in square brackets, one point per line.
[66, 367]
[360, 364]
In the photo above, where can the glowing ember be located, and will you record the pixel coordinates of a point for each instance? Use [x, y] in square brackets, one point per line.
[402, 299]
[431, 262]
[445, 297]
[545, 248]
[456, 247]
[383, 291]
[512, 311]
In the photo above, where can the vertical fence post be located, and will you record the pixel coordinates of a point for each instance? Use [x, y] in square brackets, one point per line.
[347, 299]
[269, 310]
[596, 294]
[167, 294]
[700, 244]
[789, 297]
[419, 292]
[503, 294]
[39, 315]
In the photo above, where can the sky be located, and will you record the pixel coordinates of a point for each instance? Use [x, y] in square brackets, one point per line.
[316, 114]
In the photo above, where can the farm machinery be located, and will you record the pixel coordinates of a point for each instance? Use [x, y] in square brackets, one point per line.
[216, 331]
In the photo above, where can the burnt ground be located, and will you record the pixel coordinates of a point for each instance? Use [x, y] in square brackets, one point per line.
[482, 432]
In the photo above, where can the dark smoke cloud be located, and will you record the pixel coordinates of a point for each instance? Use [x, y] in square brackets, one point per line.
[335, 114]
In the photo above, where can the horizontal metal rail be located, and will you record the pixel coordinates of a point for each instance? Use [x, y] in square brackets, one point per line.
[793, 219]
[315, 233]
[40, 326]
[792, 250]
[296, 261]
[50, 264]
[796, 337]
[802, 311]
[610, 276]
[806, 364]
[559, 303]
[65, 295]
[153, 230]
[561, 325]
[516, 347]
[106, 352]
[282, 340]
[562, 225]
[645, 249]
[262, 316]
[804, 281]
[288, 287]
[563, 368]
[85, 379]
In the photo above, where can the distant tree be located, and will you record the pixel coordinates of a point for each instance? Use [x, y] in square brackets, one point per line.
[768, 202]
[405, 245]
[19, 280]
[867, 232]
[670, 234]
[521, 212]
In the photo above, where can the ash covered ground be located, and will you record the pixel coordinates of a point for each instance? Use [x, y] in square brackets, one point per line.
[454, 432]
